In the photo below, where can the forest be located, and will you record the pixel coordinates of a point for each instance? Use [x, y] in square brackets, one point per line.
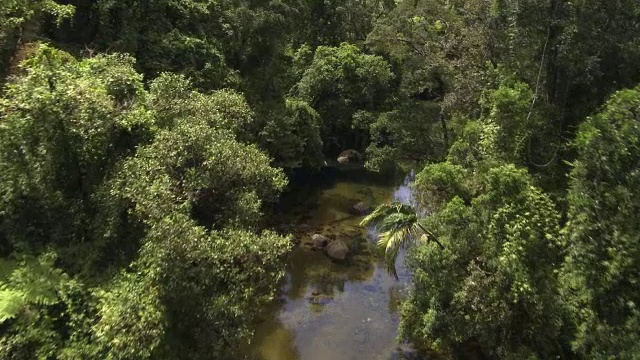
[145, 146]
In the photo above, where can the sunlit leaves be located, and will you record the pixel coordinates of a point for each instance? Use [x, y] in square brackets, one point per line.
[439, 183]
[194, 168]
[510, 109]
[11, 303]
[173, 98]
[33, 301]
[131, 315]
[213, 284]
[360, 78]
[15, 13]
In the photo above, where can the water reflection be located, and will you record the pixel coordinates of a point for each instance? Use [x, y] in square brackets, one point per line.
[332, 310]
[404, 193]
[281, 342]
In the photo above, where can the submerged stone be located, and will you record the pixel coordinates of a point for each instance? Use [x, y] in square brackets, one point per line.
[362, 208]
[337, 250]
[320, 241]
[319, 299]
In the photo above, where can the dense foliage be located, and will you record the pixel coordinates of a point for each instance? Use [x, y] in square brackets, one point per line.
[602, 237]
[141, 140]
[150, 202]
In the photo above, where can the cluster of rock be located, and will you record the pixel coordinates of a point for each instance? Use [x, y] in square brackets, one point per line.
[333, 245]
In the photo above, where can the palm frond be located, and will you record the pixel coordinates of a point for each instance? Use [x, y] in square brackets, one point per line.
[379, 214]
[392, 241]
[397, 220]
[399, 226]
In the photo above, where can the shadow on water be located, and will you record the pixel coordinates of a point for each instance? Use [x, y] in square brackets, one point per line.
[335, 310]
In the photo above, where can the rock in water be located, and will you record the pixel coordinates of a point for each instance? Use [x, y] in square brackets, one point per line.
[350, 157]
[320, 241]
[362, 208]
[319, 299]
[337, 250]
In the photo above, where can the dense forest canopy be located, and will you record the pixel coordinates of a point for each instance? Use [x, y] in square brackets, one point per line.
[143, 145]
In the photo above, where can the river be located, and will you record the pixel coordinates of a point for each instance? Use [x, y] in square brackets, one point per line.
[336, 310]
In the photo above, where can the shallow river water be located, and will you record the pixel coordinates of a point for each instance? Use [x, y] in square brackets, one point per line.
[330, 310]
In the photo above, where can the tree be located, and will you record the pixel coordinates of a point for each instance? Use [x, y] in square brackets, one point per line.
[37, 299]
[329, 22]
[202, 274]
[201, 172]
[131, 318]
[20, 21]
[166, 36]
[212, 285]
[152, 201]
[340, 82]
[439, 49]
[174, 99]
[494, 279]
[508, 107]
[66, 124]
[293, 136]
[602, 264]
[409, 134]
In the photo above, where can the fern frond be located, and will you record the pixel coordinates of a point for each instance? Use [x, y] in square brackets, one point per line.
[11, 302]
[38, 281]
[6, 268]
[34, 280]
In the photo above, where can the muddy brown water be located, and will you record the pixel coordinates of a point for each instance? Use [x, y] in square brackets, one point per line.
[331, 310]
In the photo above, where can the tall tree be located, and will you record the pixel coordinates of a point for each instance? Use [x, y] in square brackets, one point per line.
[20, 22]
[340, 82]
[66, 124]
[494, 279]
[602, 267]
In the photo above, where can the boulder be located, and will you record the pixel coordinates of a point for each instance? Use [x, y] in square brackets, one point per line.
[320, 241]
[337, 250]
[343, 160]
[350, 157]
[362, 208]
